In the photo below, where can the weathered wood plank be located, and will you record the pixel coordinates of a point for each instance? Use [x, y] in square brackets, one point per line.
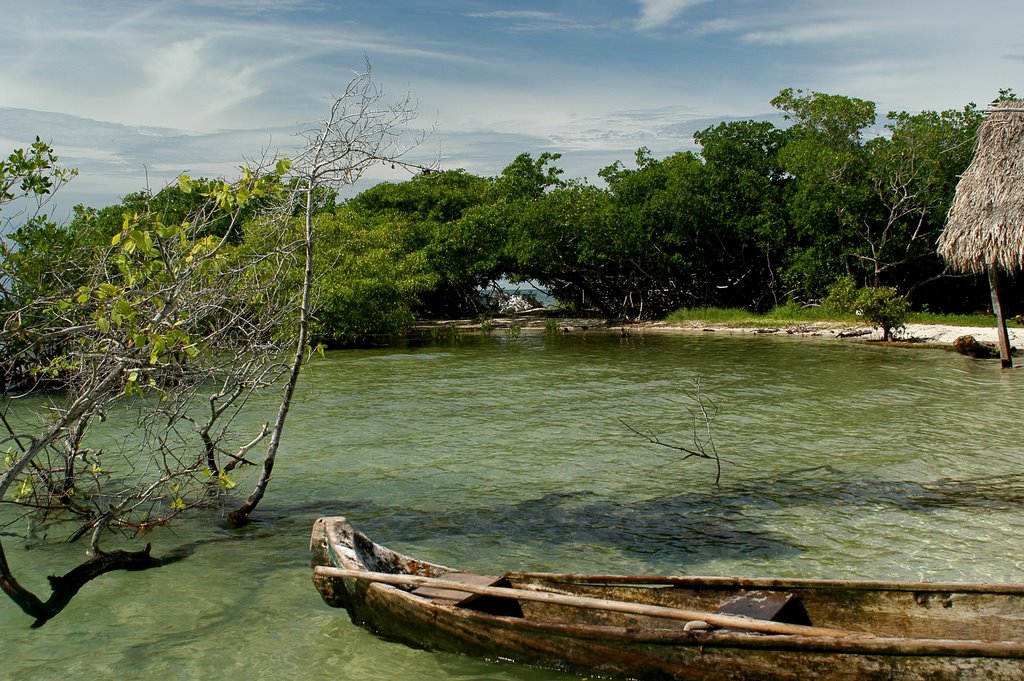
[456, 596]
[774, 606]
[767, 583]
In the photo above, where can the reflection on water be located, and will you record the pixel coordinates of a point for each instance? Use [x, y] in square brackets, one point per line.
[838, 461]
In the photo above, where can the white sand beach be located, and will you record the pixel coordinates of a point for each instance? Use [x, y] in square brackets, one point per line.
[936, 334]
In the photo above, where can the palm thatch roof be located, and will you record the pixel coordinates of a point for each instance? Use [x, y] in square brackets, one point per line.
[985, 224]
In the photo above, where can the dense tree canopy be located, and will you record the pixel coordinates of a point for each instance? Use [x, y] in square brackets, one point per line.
[761, 216]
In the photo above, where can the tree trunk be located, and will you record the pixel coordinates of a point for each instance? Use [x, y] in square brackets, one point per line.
[240, 516]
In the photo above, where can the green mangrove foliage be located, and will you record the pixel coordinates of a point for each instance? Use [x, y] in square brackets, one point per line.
[763, 215]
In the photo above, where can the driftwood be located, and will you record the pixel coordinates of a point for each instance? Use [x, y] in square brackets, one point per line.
[969, 345]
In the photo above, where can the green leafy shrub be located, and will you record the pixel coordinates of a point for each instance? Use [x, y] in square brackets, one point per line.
[884, 307]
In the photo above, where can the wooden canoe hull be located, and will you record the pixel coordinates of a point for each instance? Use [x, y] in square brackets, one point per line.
[628, 646]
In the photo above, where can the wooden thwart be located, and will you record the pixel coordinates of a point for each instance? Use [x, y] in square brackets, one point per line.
[686, 615]
[457, 596]
[461, 598]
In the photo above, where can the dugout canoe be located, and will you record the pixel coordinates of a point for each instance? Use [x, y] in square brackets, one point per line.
[666, 627]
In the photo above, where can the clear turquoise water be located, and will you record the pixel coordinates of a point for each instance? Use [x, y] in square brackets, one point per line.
[839, 460]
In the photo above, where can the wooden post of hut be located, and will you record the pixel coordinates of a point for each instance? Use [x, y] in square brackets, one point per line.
[997, 307]
[985, 227]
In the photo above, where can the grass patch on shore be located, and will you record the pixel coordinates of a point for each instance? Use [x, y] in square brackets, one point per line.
[784, 315]
[978, 319]
[791, 315]
[710, 315]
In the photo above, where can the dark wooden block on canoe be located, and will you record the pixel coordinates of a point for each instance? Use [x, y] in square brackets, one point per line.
[773, 606]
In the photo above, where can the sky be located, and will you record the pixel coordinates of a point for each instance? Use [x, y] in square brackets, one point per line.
[132, 93]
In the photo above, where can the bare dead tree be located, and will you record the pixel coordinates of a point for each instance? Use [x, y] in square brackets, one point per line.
[361, 130]
[702, 413]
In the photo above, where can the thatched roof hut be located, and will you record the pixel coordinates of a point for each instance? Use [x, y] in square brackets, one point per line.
[985, 224]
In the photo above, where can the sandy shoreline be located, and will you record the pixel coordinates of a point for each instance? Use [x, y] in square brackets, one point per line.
[930, 334]
[933, 334]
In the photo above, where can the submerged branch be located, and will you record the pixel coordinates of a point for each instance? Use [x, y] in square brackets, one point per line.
[702, 415]
[65, 587]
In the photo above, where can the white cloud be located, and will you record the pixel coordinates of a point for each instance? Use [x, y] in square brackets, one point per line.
[258, 6]
[718, 25]
[517, 14]
[821, 32]
[658, 13]
[532, 20]
[201, 71]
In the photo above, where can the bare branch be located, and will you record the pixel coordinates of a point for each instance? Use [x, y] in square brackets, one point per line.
[360, 130]
[702, 415]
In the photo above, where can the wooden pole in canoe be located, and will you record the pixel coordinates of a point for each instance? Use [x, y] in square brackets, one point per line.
[997, 307]
[587, 602]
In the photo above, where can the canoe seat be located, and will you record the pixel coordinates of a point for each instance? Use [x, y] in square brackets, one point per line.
[772, 606]
[506, 607]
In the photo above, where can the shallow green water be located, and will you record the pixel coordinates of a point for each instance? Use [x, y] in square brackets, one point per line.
[839, 460]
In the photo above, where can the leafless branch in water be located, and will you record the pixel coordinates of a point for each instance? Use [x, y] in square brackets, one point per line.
[702, 413]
